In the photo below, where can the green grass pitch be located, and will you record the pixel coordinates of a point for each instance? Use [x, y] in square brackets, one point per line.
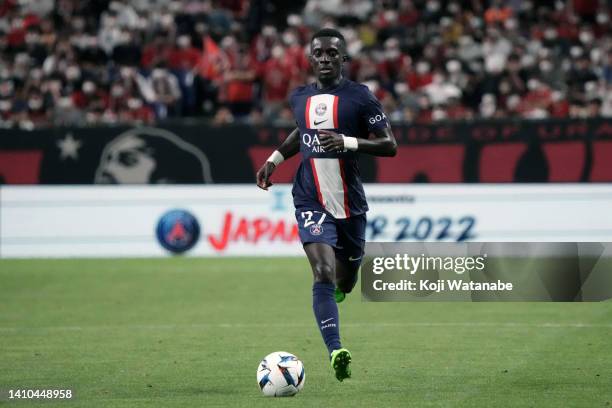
[187, 332]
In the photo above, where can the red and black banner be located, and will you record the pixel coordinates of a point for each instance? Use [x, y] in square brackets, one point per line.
[195, 152]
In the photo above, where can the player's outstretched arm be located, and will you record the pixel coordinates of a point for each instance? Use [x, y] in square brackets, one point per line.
[383, 143]
[289, 148]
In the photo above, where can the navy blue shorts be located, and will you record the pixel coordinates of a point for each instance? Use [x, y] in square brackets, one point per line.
[346, 236]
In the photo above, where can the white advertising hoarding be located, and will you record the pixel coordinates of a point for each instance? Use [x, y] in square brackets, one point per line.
[116, 221]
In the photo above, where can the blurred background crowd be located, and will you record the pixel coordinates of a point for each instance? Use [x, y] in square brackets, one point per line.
[69, 62]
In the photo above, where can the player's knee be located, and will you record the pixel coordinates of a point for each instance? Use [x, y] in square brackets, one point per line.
[323, 273]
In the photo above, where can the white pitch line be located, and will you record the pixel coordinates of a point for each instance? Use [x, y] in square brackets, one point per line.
[281, 325]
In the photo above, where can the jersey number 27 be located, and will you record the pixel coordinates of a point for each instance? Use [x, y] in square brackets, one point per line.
[307, 217]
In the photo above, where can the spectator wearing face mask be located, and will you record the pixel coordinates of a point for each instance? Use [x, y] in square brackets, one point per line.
[488, 107]
[137, 112]
[496, 50]
[261, 46]
[295, 53]
[537, 101]
[183, 61]
[425, 112]
[392, 63]
[127, 50]
[184, 56]
[237, 89]
[90, 97]
[420, 76]
[277, 74]
[34, 114]
[559, 107]
[156, 52]
[167, 93]
[441, 90]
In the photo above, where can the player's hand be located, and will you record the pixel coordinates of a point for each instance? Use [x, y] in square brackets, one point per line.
[263, 175]
[331, 141]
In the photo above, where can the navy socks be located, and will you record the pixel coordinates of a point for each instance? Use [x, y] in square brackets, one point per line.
[326, 312]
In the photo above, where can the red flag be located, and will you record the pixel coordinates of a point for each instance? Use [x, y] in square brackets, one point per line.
[208, 66]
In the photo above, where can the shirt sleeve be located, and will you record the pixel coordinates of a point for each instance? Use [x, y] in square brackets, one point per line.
[372, 112]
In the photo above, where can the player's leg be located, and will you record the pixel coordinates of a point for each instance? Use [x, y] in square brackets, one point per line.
[322, 262]
[318, 233]
[349, 254]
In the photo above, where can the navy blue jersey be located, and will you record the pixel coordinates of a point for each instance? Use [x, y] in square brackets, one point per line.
[330, 181]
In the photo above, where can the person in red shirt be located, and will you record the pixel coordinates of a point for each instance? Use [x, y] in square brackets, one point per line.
[184, 56]
[237, 89]
[276, 75]
[420, 76]
[90, 97]
[137, 112]
[156, 52]
[183, 61]
[559, 108]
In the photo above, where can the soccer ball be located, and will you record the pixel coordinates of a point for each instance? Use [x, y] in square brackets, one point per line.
[280, 374]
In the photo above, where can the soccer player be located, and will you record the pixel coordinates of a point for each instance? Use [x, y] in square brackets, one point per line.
[337, 119]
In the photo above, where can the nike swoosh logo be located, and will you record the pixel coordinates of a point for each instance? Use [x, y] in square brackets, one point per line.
[325, 321]
[318, 123]
[354, 259]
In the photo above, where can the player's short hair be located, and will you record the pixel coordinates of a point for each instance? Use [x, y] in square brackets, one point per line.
[329, 32]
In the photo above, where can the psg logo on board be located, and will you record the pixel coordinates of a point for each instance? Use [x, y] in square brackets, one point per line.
[178, 231]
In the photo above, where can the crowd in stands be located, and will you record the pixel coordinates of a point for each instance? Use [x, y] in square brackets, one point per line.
[70, 62]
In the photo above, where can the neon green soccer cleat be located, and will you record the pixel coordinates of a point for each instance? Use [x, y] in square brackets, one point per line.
[341, 363]
[339, 295]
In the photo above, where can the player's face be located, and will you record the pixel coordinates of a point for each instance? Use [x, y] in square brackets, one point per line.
[326, 57]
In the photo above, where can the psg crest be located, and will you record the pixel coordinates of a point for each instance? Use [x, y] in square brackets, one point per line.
[178, 231]
[320, 109]
[316, 229]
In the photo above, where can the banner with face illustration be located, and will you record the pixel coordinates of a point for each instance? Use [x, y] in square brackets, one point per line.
[119, 155]
[152, 156]
[195, 152]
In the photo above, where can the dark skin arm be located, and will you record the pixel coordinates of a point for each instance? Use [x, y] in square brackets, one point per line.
[383, 144]
[289, 148]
